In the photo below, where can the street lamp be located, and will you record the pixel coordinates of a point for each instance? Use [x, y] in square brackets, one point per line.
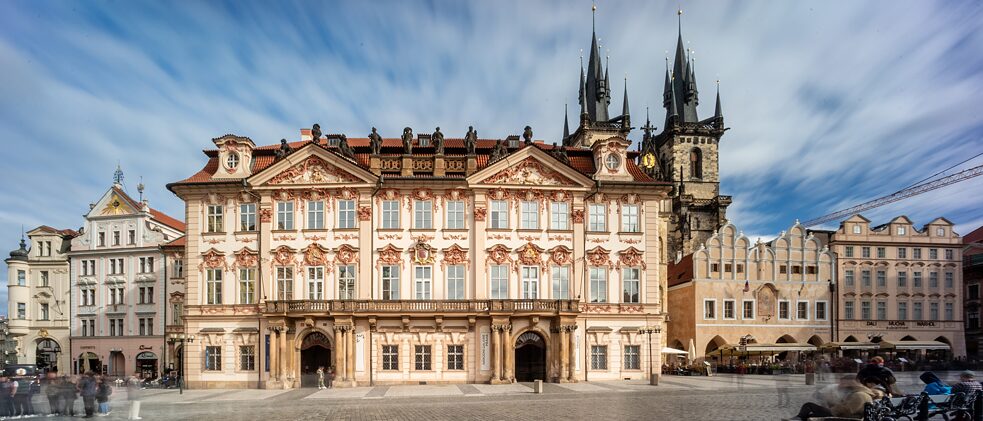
[653, 376]
[180, 338]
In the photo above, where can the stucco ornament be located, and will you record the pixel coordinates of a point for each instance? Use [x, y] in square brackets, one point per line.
[529, 172]
[346, 254]
[423, 253]
[283, 256]
[312, 170]
[246, 258]
[455, 255]
[213, 259]
[631, 257]
[315, 255]
[598, 256]
[499, 254]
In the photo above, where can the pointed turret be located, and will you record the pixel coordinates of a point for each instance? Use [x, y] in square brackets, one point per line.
[717, 111]
[626, 119]
[566, 125]
[672, 114]
[667, 90]
[583, 84]
[692, 93]
[683, 82]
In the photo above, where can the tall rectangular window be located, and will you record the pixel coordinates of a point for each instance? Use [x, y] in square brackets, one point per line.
[631, 284]
[315, 283]
[390, 282]
[247, 358]
[455, 357]
[247, 285]
[284, 283]
[455, 282]
[21, 311]
[902, 279]
[214, 218]
[247, 217]
[561, 282]
[629, 218]
[559, 216]
[424, 280]
[865, 310]
[423, 357]
[22, 278]
[949, 280]
[933, 311]
[213, 287]
[213, 358]
[949, 310]
[455, 215]
[598, 217]
[802, 310]
[499, 276]
[917, 310]
[131, 239]
[916, 279]
[44, 278]
[902, 253]
[598, 357]
[632, 357]
[848, 310]
[902, 310]
[881, 278]
[284, 215]
[315, 215]
[784, 310]
[598, 285]
[933, 279]
[933, 254]
[849, 251]
[916, 253]
[346, 214]
[530, 215]
[178, 270]
[881, 252]
[865, 252]
[116, 239]
[346, 282]
[530, 282]
[747, 309]
[423, 214]
[390, 214]
[390, 357]
[948, 254]
[730, 309]
[44, 312]
[820, 310]
[865, 277]
[881, 310]
[709, 309]
[499, 214]
[102, 235]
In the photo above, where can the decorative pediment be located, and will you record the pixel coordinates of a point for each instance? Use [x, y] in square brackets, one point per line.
[499, 254]
[530, 166]
[176, 297]
[246, 258]
[455, 255]
[116, 205]
[346, 254]
[598, 256]
[315, 255]
[313, 170]
[631, 257]
[561, 255]
[530, 254]
[284, 256]
[213, 259]
[529, 172]
[391, 255]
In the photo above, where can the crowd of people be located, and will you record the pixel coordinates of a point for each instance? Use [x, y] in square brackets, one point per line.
[875, 381]
[17, 395]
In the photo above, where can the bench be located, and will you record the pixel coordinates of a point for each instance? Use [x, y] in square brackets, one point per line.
[923, 407]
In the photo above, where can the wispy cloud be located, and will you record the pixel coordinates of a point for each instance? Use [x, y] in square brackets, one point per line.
[829, 103]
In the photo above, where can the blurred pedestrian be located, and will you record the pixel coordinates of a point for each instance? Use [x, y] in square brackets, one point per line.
[133, 395]
[103, 390]
[53, 392]
[88, 389]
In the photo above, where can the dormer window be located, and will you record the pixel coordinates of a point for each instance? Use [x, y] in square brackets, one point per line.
[612, 162]
[901, 230]
[514, 143]
[232, 161]
[856, 228]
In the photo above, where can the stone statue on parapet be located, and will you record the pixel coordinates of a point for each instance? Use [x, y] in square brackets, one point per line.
[438, 142]
[316, 133]
[527, 135]
[470, 140]
[499, 152]
[408, 141]
[284, 149]
[345, 149]
[375, 141]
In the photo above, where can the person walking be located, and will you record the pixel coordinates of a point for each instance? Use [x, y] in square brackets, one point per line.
[6, 397]
[133, 395]
[88, 389]
[103, 390]
[69, 394]
[320, 378]
[330, 377]
[22, 396]
[53, 392]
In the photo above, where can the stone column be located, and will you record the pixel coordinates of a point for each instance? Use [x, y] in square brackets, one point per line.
[572, 356]
[339, 354]
[496, 351]
[350, 355]
[282, 352]
[564, 355]
[508, 351]
[274, 344]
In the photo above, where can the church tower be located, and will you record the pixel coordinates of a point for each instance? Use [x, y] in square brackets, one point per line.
[685, 153]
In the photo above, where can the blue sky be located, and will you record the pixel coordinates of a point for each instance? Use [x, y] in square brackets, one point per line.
[829, 103]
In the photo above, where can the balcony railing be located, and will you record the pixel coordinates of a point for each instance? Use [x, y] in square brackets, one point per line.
[422, 306]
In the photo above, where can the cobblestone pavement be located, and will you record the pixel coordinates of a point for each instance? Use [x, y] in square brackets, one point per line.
[723, 397]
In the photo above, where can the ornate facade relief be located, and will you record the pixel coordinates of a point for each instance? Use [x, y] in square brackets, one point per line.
[246, 258]
[577, 215]
[480, 213]
[266, 215]
[529, 172]
[387, 194]
[315, 255]
[213, 259]
[561, 255]
[499, 254]
[313, 170]
[455, 255]
[284, 256]
[349, 193]
[631, 257]
[530, 255]
[365, 213]
[390, 255]
[423, 253]
[346, 254]
[420, 194]
[598, 256]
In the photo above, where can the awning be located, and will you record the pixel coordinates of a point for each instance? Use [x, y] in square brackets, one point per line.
[850, 345]
[928, 345]
[762, 348]
[667, 350]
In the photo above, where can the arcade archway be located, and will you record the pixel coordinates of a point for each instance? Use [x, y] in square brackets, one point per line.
[47, 355]
[530, 357]
[315, 352]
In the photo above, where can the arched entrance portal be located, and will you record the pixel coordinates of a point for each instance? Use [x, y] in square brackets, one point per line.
[88, 361]
[147, 365]
[530, 357]
[47, 355]
[315, 351]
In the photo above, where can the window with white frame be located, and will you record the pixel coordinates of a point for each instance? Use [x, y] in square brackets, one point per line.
[44, 279]
[902, 252]
[916, 309]
[747, 309]
[933, 254]
[145, 295]
[423, 214]
[902, 310]
[559, 216]
[598, 217]
[848, 310]
[629, 218]
[865, 277]
[948, 254]
[390, 282]
[916, 279]
[146, 326]
[213, 358]
[247, 357]
[856, 228]
[22, 278]
[423, 278]
[530, 215]
[178, 269]
[933, 311]
[390, 214]
[561, 282]
[949, 311]
[598, 357]
[499, 214]
[315, 215]
[631, 284]
[598, 285]
[284, 215]
[499, 276]
[213, 286]
[390, 357]
[821, 310]
[949, 280]
[881, 310]
[902, 279]
[88, 327]
[881, 279]
[102, 235]
[865, 252]
[284, 283]
[865, 310]
[730, 309]
[916, 253]
[116, 327]
[455, 282]
[315, 283]
[116, 239]
[146, 265]
[346, 214]
[933, 279]
[902, 230]
[247, 217]
[632, 357]
[214, 218]
[346, 282]
[247, 285]
[423, 357]
[530, 282]
[784, 310]
[43, 312]
[22, 311]
[455, 215]
[802, 310]
[131, 239]
[455, 357]
[709, 309]
[940, 231]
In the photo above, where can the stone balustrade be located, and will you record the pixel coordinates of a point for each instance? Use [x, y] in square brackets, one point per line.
[476, 307]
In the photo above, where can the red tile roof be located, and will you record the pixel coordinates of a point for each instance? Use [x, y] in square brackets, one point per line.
[63, 232]
[974, 237]
[681, 272]
[181, 241]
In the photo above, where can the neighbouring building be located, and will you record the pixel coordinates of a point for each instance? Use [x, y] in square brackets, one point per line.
[972, 268]
[38, 298]
[900, 287]
[118, 281]
[8, 346]
[174, 313]
[771, 297]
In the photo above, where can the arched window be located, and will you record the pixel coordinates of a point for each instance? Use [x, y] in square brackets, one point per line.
[696, 163]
